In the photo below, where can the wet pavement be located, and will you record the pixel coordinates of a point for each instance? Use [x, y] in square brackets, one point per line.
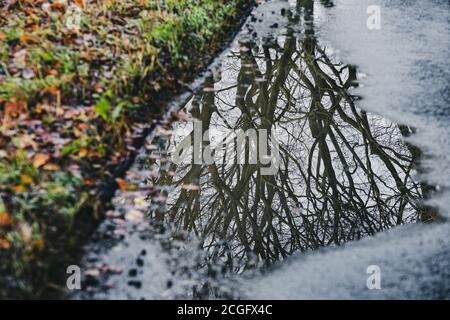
[269, 156]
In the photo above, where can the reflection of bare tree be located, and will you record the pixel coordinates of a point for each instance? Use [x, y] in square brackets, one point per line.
[345, 174]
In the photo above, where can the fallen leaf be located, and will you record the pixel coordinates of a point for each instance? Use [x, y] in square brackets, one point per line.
[19, 189]
[28, 74]
[123, 185]
[80, 3]
[25, 140]
[5, 220]
[159, 199]
[40, 159]
[120, 232]
[83, 152]
[24, 38]
[20, 58]
[134, 216]
[112, 214]
[111, 269]
[4, 244]
[52, 90]
[190, 187]
[14, 108]
[163, 132]
[58, 6]
[95, 154]
[89, 182]
[92, 272]
[26, 232]
[51, 167]
[26, 179]
[39, 244]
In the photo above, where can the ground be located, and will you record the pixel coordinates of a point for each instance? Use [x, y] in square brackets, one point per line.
[99, 92]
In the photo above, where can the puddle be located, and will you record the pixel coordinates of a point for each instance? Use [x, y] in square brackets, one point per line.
[336, 173]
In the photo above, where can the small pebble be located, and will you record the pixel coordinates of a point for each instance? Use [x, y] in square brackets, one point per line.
[136, 284]
[132, 273]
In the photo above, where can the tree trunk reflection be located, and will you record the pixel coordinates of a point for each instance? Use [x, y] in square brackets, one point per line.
[345, 173]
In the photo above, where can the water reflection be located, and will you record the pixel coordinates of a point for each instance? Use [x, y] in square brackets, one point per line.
[344, 173]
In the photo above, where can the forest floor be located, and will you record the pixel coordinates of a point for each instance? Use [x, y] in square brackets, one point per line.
[80, 82]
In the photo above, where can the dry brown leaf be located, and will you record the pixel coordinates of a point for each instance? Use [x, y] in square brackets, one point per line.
[4, 244]
[51, 167]
[40, 159]
[123, 185]
[89, 182]
[26, 232]
[39, 244]
[83, 152]
[14, 108]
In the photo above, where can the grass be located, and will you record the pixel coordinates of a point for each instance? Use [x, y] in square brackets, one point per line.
[76, 80]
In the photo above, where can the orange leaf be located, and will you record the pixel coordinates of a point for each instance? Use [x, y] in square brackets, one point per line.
[57, 6]
[39, 244]
[40, 159]
[2, 36]
[5, 220]
[83, 152]
[123, 185]
[19, 189]
[80, 3]
[55, 73]
[95, 154]
[89, 182]
[24, 38]
[4, 244]
[26, 179]
[52, 90]
[14, 108]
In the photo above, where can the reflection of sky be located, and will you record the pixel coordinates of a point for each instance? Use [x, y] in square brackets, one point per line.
[407, 67]
[294, 135]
